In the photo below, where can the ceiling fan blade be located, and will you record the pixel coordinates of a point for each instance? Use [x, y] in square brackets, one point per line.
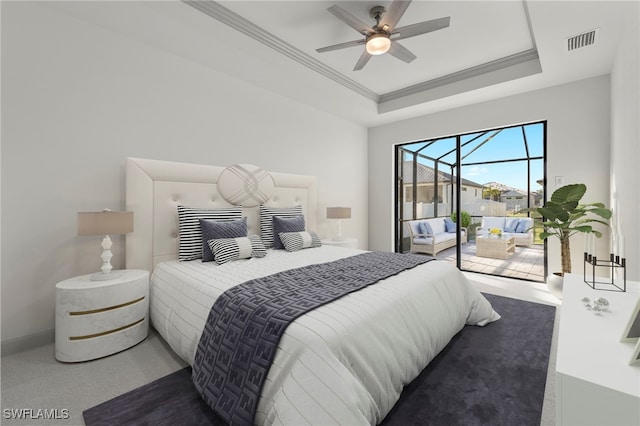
[401, 52]
[350, 20]
[364, 58]
[340, 46]
[394, 12]
[420, 28]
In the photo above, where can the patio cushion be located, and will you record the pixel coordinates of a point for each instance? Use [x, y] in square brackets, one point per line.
[423, 240]
[511, 223]
[437, 225]
[450, 225]
[489, 222]
[524, 224]
[415, 227]
[445, 236]
[425, 228]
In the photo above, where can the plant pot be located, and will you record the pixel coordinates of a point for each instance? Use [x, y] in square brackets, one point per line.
[554, 283]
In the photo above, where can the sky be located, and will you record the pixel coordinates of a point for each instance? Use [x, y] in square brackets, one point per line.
[504, 145]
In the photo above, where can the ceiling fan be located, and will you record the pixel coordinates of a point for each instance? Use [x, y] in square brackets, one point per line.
[383, 36]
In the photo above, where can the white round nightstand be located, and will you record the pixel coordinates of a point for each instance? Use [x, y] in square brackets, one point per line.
[99, 318]
[345, 242]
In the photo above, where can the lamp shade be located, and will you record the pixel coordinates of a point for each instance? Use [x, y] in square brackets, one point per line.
[338, 212]
[105, 223]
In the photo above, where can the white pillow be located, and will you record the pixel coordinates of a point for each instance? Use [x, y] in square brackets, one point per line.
[437, 225]
[489, 222]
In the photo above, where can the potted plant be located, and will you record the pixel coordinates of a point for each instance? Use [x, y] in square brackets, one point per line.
[564, 216]
[465, 218]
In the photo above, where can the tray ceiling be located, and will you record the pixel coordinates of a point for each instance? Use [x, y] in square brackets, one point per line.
[491, 48]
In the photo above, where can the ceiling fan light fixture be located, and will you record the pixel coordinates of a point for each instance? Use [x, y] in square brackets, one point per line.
[377, 44]
[377, 38]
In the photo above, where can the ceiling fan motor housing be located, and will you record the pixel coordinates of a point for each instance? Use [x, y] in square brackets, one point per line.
[377, 13]
[378, 42]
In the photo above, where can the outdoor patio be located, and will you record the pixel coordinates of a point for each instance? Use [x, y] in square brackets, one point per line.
[526, 263]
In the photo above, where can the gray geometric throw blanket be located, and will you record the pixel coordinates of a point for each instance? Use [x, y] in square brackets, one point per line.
[246, 322]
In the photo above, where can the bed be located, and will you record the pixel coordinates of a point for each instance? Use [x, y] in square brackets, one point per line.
[345, 362]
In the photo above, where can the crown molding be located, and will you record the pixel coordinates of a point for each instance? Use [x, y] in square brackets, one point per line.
[237, 22]
[386, 100]
[465, 74]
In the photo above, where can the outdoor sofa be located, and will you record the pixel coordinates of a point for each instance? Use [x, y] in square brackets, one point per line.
[519, 227]
[431, 236]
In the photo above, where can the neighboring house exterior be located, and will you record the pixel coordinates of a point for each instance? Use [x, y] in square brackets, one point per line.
[537, 199]
[430, 189]
[516, 200]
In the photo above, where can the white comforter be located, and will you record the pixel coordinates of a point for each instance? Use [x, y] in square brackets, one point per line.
[345, 362]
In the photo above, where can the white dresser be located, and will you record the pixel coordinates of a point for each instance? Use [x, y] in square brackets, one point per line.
[99, 318]
[595, 385]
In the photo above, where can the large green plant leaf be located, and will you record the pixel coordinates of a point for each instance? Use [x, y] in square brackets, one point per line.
[569, 193]
[548, 212]
[563, 216]
[569, 205]
[549, 224]
[601, 205]
[602, 212]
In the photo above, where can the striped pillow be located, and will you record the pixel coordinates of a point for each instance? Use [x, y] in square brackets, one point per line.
[285, 224]
[294, 241]
[190, 246]
[266, 220]
[228, 249]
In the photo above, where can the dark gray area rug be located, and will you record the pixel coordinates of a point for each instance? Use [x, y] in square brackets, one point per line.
[493, 375]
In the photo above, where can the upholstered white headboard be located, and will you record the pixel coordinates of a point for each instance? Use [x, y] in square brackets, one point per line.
[155, 188]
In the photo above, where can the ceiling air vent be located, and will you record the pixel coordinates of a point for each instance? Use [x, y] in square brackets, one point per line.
[582, 40]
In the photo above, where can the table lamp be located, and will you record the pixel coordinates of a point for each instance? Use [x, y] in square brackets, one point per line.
[339, 213]
[105, 223]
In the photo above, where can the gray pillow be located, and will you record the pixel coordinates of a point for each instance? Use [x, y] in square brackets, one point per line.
[215, 230]
[285, 224]
[266, 220]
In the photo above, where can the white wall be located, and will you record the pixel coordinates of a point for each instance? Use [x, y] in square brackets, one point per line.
[78, 99]
[577, 117]
[625, 142]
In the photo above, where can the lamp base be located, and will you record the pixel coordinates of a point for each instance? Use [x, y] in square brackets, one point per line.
[102, 276]
[339, 236]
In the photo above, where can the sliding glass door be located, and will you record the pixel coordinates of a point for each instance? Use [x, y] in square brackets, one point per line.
[480, 181]
[425, 186]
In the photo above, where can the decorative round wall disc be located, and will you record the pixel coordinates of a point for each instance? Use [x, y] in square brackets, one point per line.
[245, 185]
